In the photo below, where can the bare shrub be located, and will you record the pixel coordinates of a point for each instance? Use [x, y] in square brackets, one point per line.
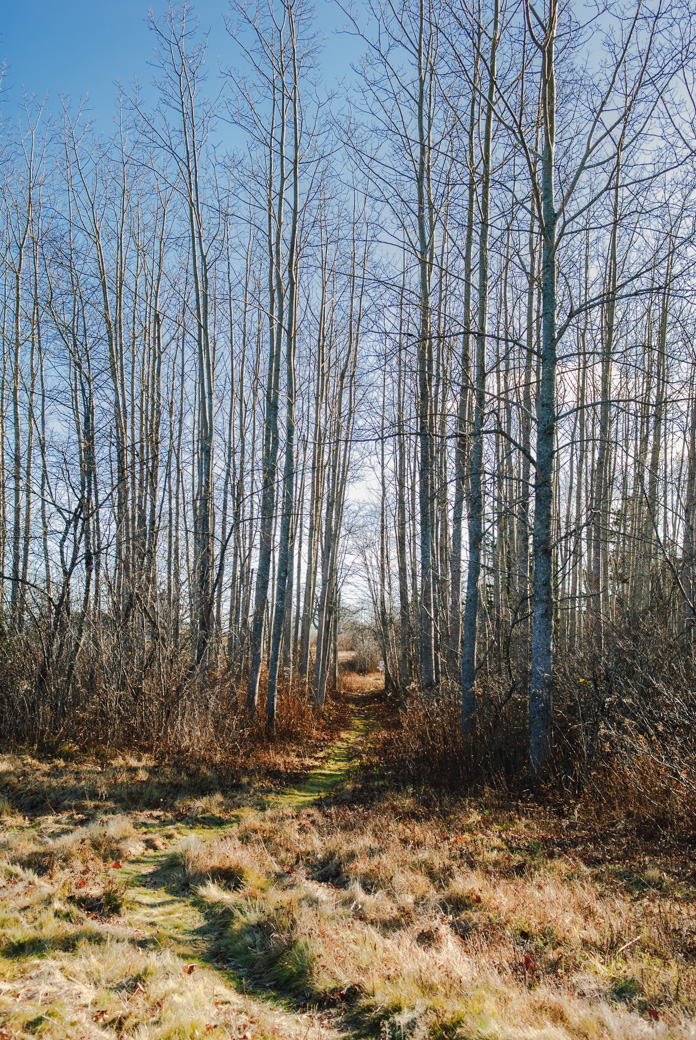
[623, 729]
[152, 702]
[361, 639]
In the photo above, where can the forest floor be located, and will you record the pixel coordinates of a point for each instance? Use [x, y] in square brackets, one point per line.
[137, 902]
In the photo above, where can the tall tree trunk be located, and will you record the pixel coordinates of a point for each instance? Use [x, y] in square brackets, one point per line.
[285, 560]
[475, 520]
[540, 700]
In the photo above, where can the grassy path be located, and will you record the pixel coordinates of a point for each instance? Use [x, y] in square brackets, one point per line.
[104, 933]
[164, 911]
[340, 757]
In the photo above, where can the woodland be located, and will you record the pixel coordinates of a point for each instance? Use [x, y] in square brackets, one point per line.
[348, 504]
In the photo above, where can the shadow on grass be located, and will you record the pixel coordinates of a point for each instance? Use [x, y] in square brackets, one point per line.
[259, 944]
[42, 946]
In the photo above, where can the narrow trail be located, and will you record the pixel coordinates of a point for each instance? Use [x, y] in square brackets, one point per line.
[166, 914]
[340, 757]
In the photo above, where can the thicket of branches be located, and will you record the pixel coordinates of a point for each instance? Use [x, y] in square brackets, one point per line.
[461, 283]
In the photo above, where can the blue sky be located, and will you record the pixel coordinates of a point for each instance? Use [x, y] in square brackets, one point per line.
[81, 48]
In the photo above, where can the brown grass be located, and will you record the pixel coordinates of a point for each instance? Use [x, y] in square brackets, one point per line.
[475, 921]
[139, 902]
[98, 938]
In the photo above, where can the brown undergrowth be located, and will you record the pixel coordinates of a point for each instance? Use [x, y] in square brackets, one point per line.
[641, 768]
[167, 713]
[229, 754]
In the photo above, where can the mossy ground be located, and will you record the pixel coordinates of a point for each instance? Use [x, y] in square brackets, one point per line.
[136, 902]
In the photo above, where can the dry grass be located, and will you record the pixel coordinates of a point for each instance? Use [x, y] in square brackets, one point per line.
[97, 941]
[459, 926]
[136, 902]
[88, 783]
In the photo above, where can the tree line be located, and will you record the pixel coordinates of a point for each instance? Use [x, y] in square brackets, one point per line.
[458, 286]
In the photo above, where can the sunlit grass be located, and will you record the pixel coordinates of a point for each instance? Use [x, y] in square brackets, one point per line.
[165, 909]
